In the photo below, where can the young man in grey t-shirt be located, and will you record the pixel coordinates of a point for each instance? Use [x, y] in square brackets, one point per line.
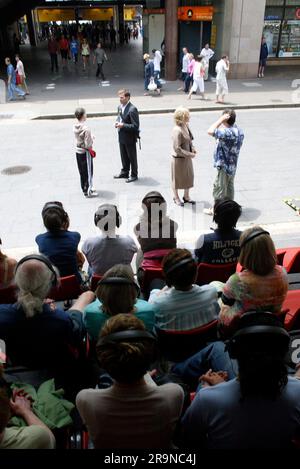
[99, 56]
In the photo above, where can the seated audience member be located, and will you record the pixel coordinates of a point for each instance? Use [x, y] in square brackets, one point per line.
[36, 333]
[259, 409]
[117, 293]
[7, 269]
[133, 412]
[261, 286]
[155, 231]
[59, 244]
[182, 305]
[108, 249]
[35, 435]
[223, 245]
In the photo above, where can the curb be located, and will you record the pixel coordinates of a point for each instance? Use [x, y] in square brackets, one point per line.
[172, 110]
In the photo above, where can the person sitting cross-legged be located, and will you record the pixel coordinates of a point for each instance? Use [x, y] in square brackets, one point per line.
[133, 412]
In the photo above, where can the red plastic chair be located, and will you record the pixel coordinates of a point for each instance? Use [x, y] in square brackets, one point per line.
[94, 281]
[179, 345]
[8, 295]
[214, 272]
[68, 289]
[291, 260]
[292, 305]
[146, 276]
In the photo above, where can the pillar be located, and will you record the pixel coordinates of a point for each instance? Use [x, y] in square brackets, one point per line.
[121, 23]
[171, 39]
[31, 28]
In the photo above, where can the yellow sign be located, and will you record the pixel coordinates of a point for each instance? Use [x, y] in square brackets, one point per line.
[129, 14]
[96, 14]
[56, 14]
[213, 37]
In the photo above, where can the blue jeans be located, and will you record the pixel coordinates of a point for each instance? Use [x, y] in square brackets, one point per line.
[12, 88]
[187, 83]
[212, 357]
[156, 76]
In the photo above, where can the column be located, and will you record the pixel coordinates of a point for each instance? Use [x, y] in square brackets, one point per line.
[121, 23]
[171, 39]
[31, 28]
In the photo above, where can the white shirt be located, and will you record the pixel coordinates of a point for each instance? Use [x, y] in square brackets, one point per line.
[207, 54]
[185, 63]
[20, 68]
[221, 69]
[157, 60]
[197, 71]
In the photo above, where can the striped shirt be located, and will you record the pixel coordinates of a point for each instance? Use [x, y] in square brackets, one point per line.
[185, 310]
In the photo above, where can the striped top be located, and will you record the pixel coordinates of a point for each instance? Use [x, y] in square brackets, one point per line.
[185, 310]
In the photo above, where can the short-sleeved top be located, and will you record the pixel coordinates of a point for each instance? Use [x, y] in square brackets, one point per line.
[218, 247]
[11, 73]
[32, 437]
[246, 291]
[100, 55]
[74, 46]
[219, 417]
[64, 44]
[95, 317]
[39, 340]
[61, 249]
[141, 416]
[155, 237]
[103, 253]
[229, 143]
[185, 310]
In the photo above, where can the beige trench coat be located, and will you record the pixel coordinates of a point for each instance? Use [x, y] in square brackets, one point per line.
[182, 165]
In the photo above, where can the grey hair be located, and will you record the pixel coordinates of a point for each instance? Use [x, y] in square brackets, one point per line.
[34, 280]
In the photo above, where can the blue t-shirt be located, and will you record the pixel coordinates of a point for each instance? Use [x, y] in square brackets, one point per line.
[219, 418]
[11, 73]
[74, 47]
[229, 143]
[61, 249]
[42, 339]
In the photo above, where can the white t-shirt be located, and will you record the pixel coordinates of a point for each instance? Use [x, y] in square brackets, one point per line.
[157, 60]
[221, 69]
[207, 54]
[141, 416]
[185, 63]
[20, 68]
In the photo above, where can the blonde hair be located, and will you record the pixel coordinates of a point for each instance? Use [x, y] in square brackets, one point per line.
[259, 254]
[181, 115]
[146, 56]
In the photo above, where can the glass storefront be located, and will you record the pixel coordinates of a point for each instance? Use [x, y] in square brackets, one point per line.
[282, 28]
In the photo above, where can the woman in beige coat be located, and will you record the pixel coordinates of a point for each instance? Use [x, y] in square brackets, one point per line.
[183, 152]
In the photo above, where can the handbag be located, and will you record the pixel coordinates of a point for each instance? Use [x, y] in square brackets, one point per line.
[152, 85]
[92, 152]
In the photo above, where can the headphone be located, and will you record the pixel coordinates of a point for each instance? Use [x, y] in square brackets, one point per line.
[127, 336]
[179, 264]
[271, 327]
[56, 206]
[153, 195]
[253, 235]
[44, 260]
[105, 209]
[119, 281]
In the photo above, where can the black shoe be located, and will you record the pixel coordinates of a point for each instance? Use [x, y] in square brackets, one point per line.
[121, 176]
[178, 202]
[189, 201]
[131, 179]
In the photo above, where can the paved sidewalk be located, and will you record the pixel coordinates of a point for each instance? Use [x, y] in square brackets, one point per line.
[57, 95]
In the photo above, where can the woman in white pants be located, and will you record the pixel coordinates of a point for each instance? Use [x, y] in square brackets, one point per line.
[198, 76]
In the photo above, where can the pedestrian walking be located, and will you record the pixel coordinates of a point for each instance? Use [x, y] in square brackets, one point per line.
[149, 76]
[128, 125]
[190, 73]
[157, 58]
[84, 152]
[64, 50]
[264, 52]
[182, 170]
[53, 49]
[198, 77]
[21, 73]
[222, 68]
[229, 139]
[99, 57]
[85, 53]
[113, 35]
[74, 48]
[207, 53]
[184, 70]
[12, 87]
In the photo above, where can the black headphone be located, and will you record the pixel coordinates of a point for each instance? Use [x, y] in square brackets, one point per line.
[119, 281]
[270, 325]
[179, 264]
[105, 208]
[153, 195]
[253, 235]
[44, 260]
[56, 206]
[125, 336]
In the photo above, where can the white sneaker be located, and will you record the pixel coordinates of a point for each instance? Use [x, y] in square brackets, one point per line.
[208, 211]
[92, 193]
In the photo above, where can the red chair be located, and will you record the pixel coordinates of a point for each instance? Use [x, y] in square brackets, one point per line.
[214, 272]
[94, 281]
[291, 260]
[68, 289]
[292, 305]
[146, 276]
[179, 345]
[280, 258]
[8, 295]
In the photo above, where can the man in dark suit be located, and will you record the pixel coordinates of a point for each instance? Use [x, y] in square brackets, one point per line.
[128, 124]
